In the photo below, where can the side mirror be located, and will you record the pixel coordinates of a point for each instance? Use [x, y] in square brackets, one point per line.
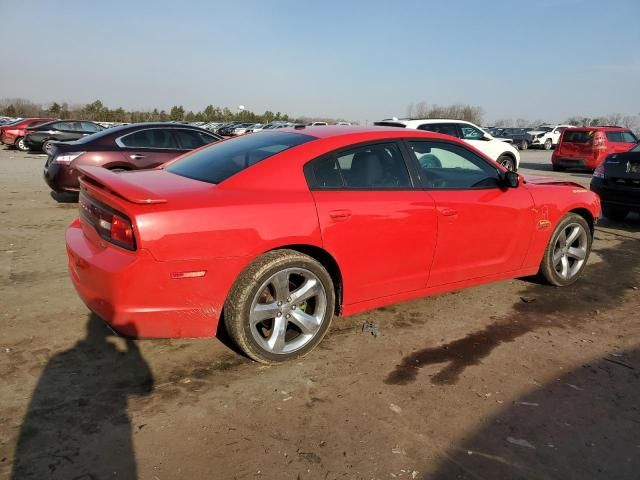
[511, 179]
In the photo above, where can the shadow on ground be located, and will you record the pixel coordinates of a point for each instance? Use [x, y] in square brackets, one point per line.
[541, 307]
[584, 425]
[77, 425]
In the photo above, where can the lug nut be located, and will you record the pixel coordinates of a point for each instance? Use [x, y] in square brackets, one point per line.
[293, 307]
[288, 315]
[288, 299]
[279, 314]
[279, 303]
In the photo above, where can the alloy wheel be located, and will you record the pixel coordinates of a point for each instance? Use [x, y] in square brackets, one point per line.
[570, 251]
[288, 310]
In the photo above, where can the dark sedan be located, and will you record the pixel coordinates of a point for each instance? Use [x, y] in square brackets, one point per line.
[520, 137]
[42, 136]
[129, 147]
[617, 182]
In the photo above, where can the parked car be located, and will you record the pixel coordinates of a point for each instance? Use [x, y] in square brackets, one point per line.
[226, 130]
[587, 147]
[130, 147]
[380, 215]
[317, 124]
[518, 136]
[498, 150]
[546, 136]
[12, 134]
[617, 182]
[42, 136]
[243, 128]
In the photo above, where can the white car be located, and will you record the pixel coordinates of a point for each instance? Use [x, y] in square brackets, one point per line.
[500, 150]
[547, 136]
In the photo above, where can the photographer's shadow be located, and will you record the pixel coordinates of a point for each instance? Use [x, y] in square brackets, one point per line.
[77, 424]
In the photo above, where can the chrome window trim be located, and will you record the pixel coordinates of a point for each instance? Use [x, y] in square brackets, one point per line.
[122, 145]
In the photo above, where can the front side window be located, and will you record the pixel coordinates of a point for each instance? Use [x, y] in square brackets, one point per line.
[190, 139]
[370, 167]
[469, 132]
[628, 137]
[159, 138]
[62, 126]
[444, 166]
[615, 137]
[444, 128]
[221, 160]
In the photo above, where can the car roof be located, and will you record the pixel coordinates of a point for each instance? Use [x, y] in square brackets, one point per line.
[334, 131]
[604, 128]
[410, 122]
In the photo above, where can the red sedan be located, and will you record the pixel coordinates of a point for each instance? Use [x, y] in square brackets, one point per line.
[282, 230]
[13, 134]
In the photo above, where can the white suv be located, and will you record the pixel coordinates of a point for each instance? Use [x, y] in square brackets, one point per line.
[547, 136]
[499, 150]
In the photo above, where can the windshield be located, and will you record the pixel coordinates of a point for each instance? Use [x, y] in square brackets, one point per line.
[636, 148]
[224, 159]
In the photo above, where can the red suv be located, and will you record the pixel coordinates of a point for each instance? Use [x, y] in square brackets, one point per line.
[587, 147]
[13, 134]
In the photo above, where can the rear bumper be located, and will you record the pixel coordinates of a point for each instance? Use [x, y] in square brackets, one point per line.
[61, 178]
[569, 162]
[620, 197]
[135, 294]
[8, 140]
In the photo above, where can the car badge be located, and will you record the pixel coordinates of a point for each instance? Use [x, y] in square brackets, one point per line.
[628, 166]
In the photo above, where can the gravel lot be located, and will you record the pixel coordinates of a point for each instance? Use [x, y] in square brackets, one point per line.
[510, 380]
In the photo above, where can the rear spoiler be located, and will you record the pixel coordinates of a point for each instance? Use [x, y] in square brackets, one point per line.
[119, 184]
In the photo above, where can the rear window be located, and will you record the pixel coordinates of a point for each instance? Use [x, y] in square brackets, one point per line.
[579, 136]
[220, 161]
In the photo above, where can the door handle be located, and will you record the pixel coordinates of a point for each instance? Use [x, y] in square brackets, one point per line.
[136, 156]
[448, 212]
[339, 215]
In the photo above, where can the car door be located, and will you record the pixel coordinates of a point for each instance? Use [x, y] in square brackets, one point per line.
[620, 142]
[379, 228]
[484, 228]
[148, 148]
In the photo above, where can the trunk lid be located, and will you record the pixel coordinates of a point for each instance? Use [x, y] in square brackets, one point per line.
[576, 143]
[142, 186]
[623, 169]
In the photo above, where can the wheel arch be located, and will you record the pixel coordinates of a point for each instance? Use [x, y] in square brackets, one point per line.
[327, 261]
[587, 215]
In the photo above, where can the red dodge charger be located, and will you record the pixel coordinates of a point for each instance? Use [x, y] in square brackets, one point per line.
[277, 232]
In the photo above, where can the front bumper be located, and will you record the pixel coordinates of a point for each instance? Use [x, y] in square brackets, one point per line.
[135, 294]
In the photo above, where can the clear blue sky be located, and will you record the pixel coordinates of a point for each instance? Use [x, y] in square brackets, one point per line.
[361, 60]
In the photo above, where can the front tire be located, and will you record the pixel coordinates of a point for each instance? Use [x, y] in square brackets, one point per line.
[280, 307]
[21, 145]
[548, 144]
[568, 250]
[615, 213]
[507, 162]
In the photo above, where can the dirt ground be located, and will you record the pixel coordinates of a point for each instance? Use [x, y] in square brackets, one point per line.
[513, 380]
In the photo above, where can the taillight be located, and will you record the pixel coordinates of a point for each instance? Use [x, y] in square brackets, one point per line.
[67, 158]
[599, 141]
[599, 171]
[110, 224]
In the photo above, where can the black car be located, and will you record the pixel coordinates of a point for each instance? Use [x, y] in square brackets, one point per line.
[519, 136]
[617, 182]
[227, 128]
[40, 137]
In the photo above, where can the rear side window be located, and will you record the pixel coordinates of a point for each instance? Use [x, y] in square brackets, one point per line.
[90, 127]
[190, 139]
[444, 128]
[159, 138]
[621, 137]
[469, 132]
[62, 126]
[370, 167]
[221, 160]
[578, 136]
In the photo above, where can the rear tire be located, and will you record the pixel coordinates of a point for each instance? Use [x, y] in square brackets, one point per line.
[45, 146]
[615, 213]
[20, 145]
[507, 162]
[568, 250]
[548, 144]
[280, 307]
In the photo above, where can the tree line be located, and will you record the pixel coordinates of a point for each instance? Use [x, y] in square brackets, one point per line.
[98, 111]
[630, 121]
